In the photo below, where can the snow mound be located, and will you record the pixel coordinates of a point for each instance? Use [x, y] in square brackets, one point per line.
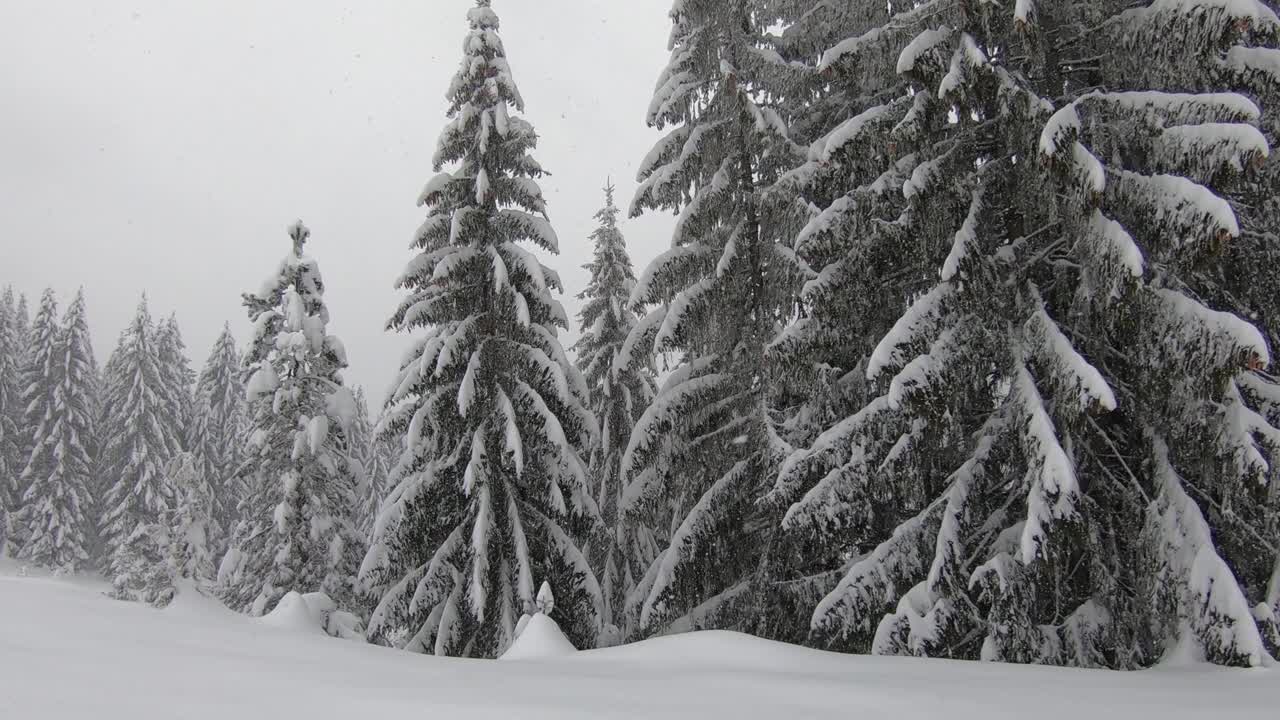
[721, 648]
[189, 601]
[541, 638]
[301, 613]
[313, 613]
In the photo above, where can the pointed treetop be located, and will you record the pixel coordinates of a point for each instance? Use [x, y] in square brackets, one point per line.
[76, 310]
[483, 17]
[48, 312]
[546, 601]
[299, 234]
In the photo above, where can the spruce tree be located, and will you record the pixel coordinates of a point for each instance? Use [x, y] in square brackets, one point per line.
[297, 531]
[108, 378]
[217, 430]
[858, 269]
[1065, 422]
[38, 383]
[140, 565]
[618, 397]
[22, 329]
[54, 516]
[178, 380]
[191, 522]
[371, 471]
[491, 489]
[707, 447]
[11, 462]
[139, 443]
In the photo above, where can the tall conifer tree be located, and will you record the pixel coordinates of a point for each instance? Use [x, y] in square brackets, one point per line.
[11, 461]
[179, 379]
[618, 396]
[139, 443]
[371, 480]
[491, 481]
[217, 436]
[54, 516]
[38, 387]
[710, 442]
[297, 531]
[22, 329]
[1081, 338]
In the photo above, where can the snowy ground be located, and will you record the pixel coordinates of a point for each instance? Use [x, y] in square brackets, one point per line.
[66, 651]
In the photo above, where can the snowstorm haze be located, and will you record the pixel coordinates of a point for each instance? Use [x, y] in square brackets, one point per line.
[165, 147]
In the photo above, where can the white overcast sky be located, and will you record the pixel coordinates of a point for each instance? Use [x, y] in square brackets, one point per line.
[165, 146]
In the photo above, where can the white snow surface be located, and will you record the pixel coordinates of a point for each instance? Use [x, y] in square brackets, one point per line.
[299, 613]
[67, 651]
[540, 638]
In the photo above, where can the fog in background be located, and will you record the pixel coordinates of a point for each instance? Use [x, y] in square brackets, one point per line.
[166, 146]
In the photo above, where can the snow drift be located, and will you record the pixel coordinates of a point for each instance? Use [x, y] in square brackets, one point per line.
[68, 652]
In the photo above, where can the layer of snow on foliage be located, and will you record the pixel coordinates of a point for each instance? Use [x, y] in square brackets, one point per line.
[924, 42]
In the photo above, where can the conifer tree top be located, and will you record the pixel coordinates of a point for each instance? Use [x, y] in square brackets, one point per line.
[299, 234]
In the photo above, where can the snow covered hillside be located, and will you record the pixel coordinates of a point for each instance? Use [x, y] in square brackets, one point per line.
[66, 651]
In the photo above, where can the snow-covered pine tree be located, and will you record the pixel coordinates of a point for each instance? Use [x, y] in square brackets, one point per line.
[388, 449]
[1246, 286]
[863, 128]
[139, 443]
[10, 417]
[23, 342]
[38, 383]
[708, 444]
[1068, 345]
[491, 477]
[191, 522]
[372, 472]
[178, 379]
[618, 397]
[140, 566]
[109, 378]
[22, 329]
[1180, 171]
[56, 526]
[297, 531]
[217, 438]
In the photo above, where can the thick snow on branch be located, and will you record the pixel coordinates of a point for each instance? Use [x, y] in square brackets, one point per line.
[1081, 377]
[917, 323]
[927, 41]
[925, 371]
[1208, 147]
[1174, 205]
[965, 238]
[1227, 334]
[1158, 109]
[660, 416]
[1206, 592]
[690, 536]
[1237, 436]
[875, 581]
[1051, 477]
